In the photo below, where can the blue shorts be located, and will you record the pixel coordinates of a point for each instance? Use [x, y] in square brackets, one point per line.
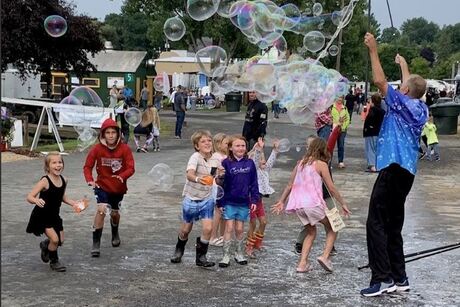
[238, 212]
[102, 197]
[194, 210]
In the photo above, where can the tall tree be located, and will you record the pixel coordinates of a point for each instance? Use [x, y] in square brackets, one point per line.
[27, 46]
[419, 30]
[390, 35]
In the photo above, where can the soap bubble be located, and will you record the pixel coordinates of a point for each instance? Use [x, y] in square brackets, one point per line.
[317, 9]
[292, 15]
[133, 116]
[224, 8]
[333, 50]
[211, 104]
[245, 19]
[161, 177]
[280, 44]
[284, 145]
[202, 9]
[87, 96]
[86, 138]
[158, 83]
[217, 192]
[336, 17]
[300, 114]
[211, 58]
[174, 28]
[106, 208]
[55, 25]
[314, 41]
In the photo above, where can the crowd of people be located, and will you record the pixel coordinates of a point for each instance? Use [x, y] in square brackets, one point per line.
[237, 164]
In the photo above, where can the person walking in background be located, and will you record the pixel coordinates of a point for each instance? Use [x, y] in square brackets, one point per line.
[351, 101]
[371, 130]
[323, 124]
[157, 100]
[255, 122]
[113, 96]
[340, 117]
[429, 130]
[179, 106]
[144, 98]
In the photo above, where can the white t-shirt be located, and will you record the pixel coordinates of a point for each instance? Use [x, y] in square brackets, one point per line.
[202, 167]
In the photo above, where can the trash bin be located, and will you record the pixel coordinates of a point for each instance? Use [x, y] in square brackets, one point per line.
[445, 114]
[233, 101]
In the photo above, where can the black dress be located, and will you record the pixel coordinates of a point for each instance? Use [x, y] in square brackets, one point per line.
[48, 216]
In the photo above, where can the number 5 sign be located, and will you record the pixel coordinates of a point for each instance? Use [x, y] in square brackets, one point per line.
[129, 78]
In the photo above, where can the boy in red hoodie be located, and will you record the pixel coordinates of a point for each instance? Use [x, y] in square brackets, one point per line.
[114, 165]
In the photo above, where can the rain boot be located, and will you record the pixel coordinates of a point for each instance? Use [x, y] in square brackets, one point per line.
[44, 250]
[225, 262]
[201, 251]
[250, 241]
[55, 265]
[239, 254]
[96, 250]
[115, 237]
[259, 238]
[179, 252]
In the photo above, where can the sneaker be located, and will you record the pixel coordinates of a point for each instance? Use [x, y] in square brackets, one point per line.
[403, 286]
[333, 251]
[177, 137]
[341, 165]
[422, 155]
[298, 248]
[379, 288]
[438, 159]
[138, 149]
[144, 149]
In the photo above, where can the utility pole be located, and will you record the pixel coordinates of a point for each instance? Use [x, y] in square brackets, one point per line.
[339, 54]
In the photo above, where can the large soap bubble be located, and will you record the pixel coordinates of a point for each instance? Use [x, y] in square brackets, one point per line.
[174, 28]
[284, 145]
[87, 96]
[55, 25]
[314, 41]
[161, 176]
[224, 8]
[333, 50]
[317, 9]
[210, 58]
[133, 116]
[158, 83]
[202, 9]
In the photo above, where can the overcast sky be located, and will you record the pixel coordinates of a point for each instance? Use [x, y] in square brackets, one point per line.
[439, 11]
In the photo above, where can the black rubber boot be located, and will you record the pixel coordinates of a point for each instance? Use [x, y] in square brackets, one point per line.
[45, 252]
[115, 237]
[201, 251]
[55, 265]
[96, 250]
[179, 252]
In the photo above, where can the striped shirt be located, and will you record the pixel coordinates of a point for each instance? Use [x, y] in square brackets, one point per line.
[202, 167]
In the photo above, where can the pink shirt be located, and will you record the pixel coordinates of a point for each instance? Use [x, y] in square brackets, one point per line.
[306, 189]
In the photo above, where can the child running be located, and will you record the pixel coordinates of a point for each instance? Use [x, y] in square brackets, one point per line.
[241, 194]
[429, 130]
[198, 203]
[306, 200]
[114, 165]
[255, 237]
[150, 128]
[220, 146]
[47, 196]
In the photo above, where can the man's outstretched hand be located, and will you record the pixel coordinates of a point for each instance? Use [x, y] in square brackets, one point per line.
[370, 42]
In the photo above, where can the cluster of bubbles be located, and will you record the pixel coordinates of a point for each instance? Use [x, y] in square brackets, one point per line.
[303, 86]
[55, 25]
[72, 110]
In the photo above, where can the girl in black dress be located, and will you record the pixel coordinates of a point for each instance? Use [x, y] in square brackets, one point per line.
[47, 196]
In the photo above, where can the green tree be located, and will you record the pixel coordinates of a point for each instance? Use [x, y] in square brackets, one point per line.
[420, 66]
[443, 69]
[390, 35]
[448, 41]
[419, 30]
[27, 46]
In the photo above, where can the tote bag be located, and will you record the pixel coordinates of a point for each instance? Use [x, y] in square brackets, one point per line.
[334, 217]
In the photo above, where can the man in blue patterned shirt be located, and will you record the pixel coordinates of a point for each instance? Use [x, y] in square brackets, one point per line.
[397, 153]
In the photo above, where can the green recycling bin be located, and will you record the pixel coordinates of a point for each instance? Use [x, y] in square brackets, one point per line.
[445, 114]
[233, 101]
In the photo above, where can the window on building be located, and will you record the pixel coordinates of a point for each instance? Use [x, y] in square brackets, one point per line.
[91, 82]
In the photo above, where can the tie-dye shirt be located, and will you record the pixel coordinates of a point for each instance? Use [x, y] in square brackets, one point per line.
[401, 129]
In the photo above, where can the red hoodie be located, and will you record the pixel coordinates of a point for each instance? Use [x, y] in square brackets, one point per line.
[116, 161]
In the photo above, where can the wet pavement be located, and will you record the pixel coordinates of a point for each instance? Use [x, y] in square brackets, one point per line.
[139, 273]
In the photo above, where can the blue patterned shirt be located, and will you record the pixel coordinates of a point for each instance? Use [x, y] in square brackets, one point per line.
[401, 129]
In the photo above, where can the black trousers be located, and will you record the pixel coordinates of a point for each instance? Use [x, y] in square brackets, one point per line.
[384, 224]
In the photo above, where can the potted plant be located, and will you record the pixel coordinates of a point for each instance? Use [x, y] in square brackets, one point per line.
[6, 131]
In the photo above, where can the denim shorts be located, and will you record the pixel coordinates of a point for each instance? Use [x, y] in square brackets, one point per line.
[194, 210]
[236, 212]
[102, 197]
